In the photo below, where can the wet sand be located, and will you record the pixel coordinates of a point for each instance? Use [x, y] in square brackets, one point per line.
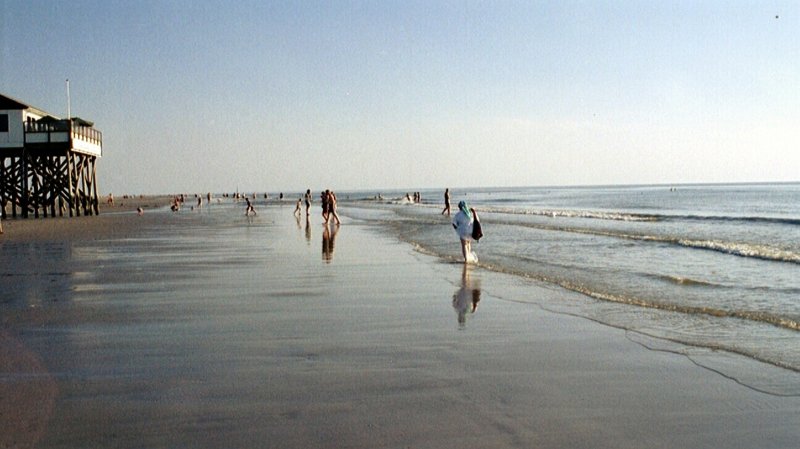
[209, 329]
[110, 223]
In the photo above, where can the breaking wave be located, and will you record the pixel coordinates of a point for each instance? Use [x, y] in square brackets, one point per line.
[568, 213]
[741, 249]
[638, 217]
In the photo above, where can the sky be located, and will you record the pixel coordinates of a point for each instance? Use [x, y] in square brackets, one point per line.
[219, 96]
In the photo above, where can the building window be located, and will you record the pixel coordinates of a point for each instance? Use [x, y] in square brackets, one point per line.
[3, 123]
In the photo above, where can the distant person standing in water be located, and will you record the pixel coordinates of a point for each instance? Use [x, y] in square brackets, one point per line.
[446, 202]
[308, 202]
[462, 223]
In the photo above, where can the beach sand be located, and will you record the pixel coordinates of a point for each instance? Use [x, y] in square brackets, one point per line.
[209, 329]
[107, 224]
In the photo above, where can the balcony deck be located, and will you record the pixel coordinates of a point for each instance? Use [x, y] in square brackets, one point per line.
[61, 136]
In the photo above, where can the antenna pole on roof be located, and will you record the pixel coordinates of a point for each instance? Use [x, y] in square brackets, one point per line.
[69, 113]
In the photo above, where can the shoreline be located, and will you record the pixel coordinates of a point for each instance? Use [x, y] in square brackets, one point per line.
[112, 221]
[212, 329]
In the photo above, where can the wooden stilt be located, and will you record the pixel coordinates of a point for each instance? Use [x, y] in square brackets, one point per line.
[71, 180]
[95, 196]
[3, 188]
[25, 186]
[52, 169]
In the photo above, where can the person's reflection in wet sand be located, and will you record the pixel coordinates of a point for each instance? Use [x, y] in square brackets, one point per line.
[328, 241]
[308, 230]
[466, 298]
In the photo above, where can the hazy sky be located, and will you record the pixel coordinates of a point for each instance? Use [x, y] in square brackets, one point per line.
[199, 96]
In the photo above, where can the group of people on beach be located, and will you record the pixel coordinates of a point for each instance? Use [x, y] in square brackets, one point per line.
[417, 198]
[327, 198]
[329, 205]
[179, 200]
[465, 223]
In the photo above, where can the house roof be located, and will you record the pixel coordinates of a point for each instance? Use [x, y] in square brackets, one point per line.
[82, 122]
[7, 102]
[10, 103]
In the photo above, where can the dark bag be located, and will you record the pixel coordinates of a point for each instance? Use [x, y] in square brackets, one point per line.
[477, 232]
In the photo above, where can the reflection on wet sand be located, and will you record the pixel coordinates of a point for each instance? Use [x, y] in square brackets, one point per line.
[466, 298]
[41, 276]
[328, 241]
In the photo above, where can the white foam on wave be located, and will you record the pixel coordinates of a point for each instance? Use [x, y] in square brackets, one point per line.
[743, 249]
[752, 250]
[568, 213]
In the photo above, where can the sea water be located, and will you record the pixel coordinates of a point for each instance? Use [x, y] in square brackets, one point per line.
[712, 266]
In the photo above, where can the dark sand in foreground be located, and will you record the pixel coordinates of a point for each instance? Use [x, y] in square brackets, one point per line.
[211, 330]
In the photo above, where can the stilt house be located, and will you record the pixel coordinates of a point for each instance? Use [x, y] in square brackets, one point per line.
[47, 164]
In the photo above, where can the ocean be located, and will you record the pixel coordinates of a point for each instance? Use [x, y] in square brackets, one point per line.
[708, 266]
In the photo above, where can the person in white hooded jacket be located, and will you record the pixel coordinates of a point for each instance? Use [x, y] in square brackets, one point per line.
[462, 223]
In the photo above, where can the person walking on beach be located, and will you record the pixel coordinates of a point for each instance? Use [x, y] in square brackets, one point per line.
[324, 199]
[308, 202]
[332, 208]
[462, 223]
[446, 202]
[297, 208]
[250, 208]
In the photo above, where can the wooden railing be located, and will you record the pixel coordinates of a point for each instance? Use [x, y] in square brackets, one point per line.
[88, 134]
[85, 133]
